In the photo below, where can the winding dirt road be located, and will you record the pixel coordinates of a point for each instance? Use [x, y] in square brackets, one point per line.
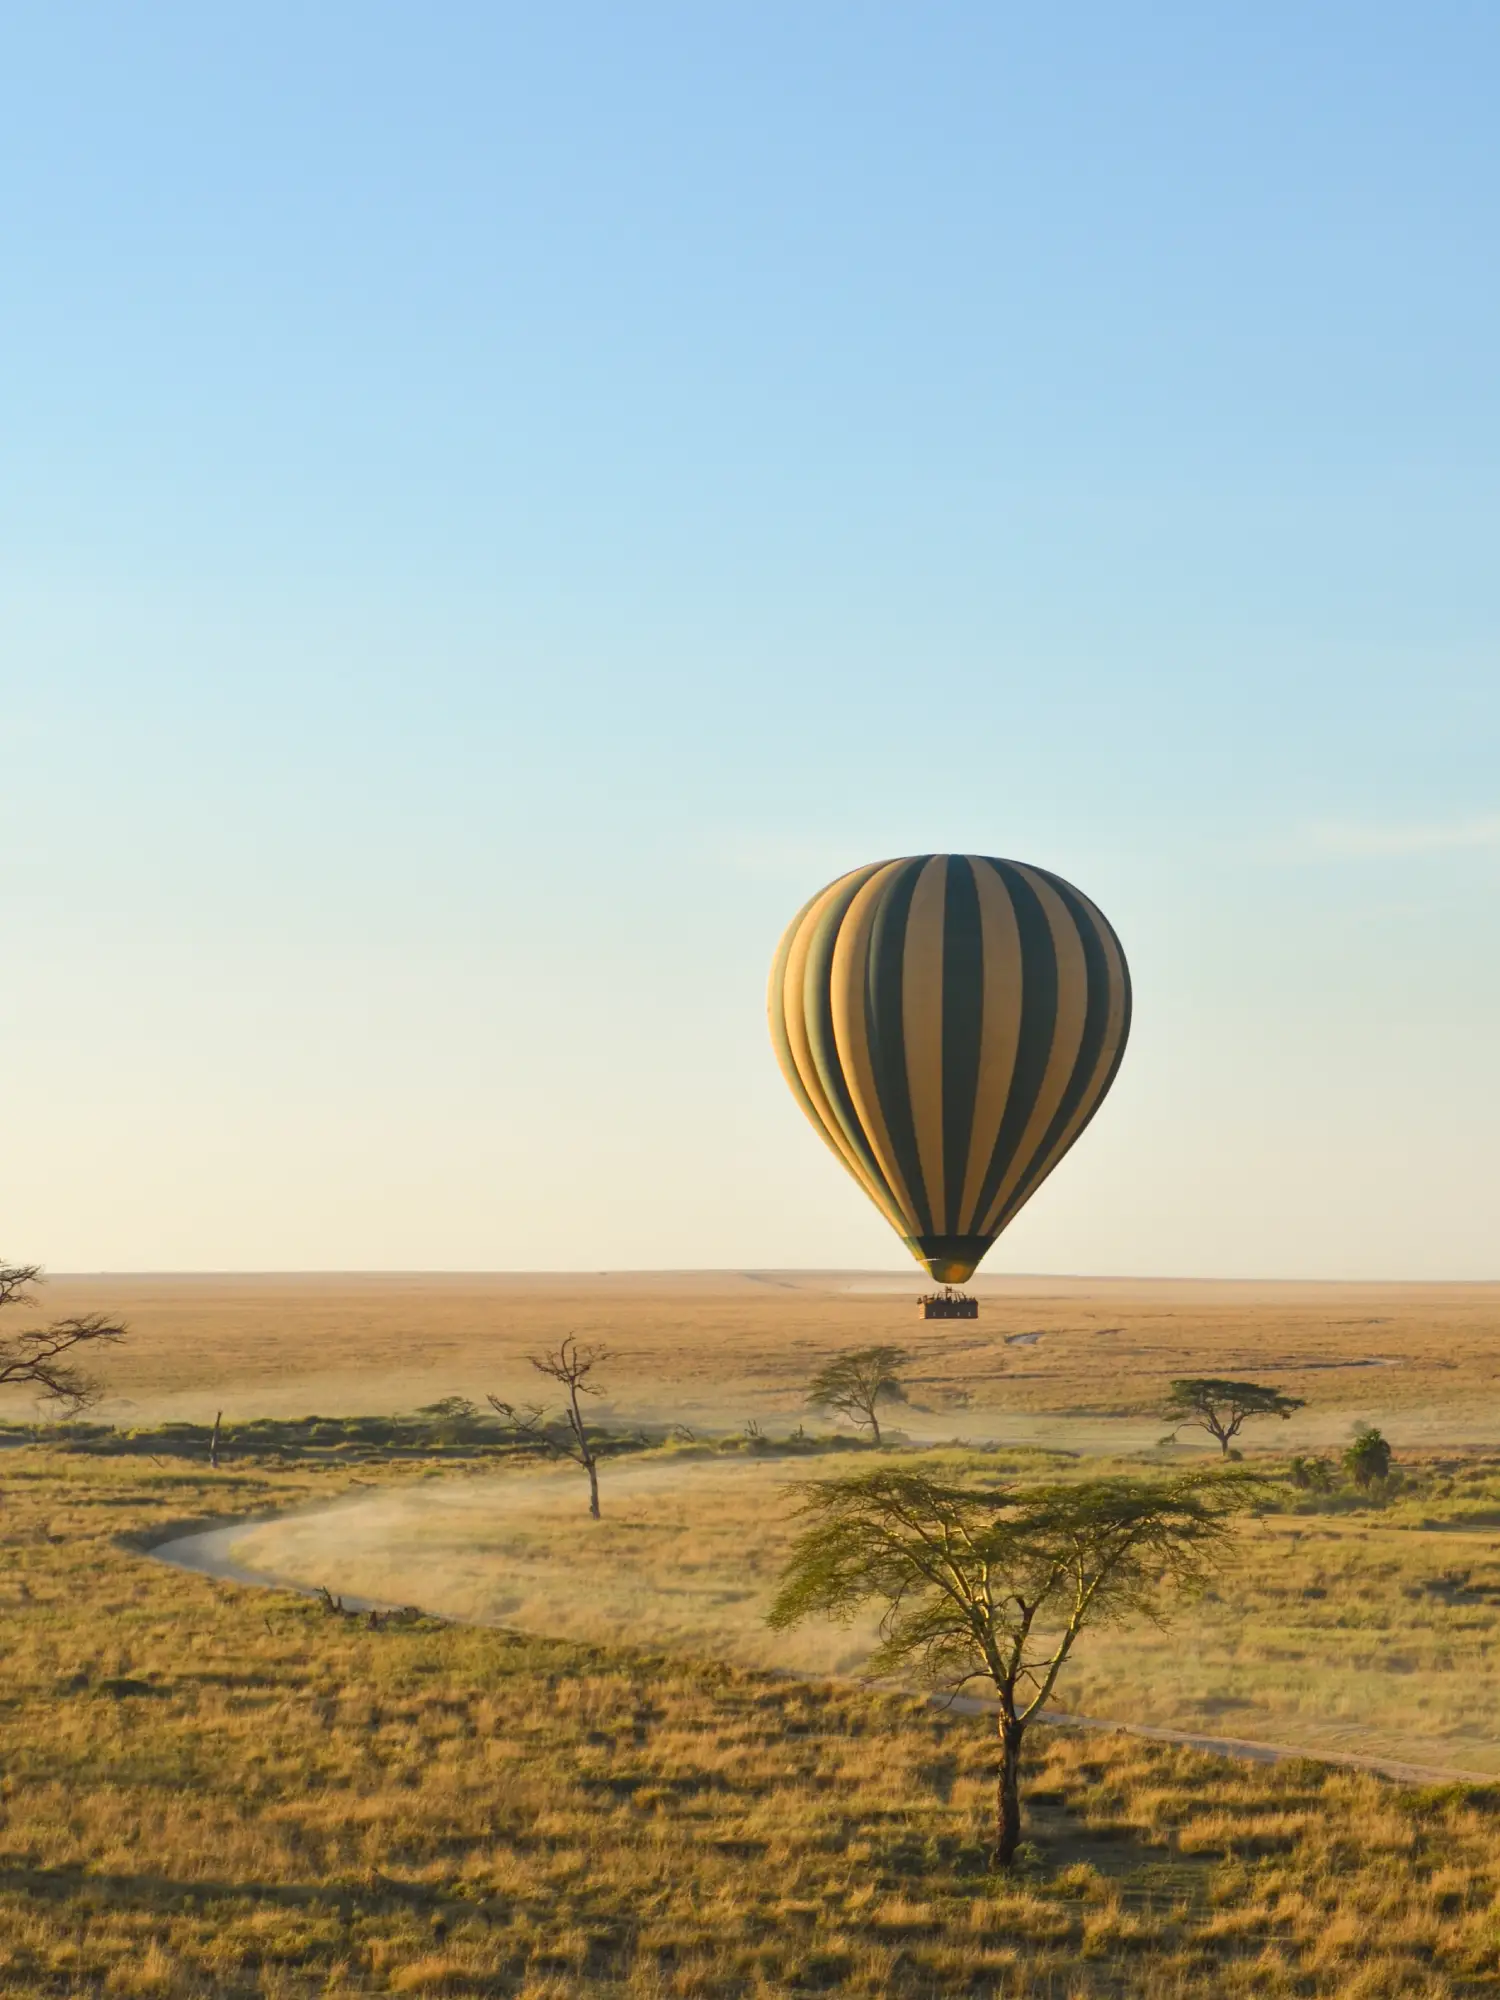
[208, 1552]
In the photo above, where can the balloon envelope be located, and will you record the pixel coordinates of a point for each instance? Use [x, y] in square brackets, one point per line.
[949, 1023]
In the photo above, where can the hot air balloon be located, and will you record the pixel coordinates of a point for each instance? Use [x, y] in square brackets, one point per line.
[949, 1023]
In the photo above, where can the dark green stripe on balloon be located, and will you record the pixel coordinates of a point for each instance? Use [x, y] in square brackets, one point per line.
[963, 1022]
[883, 1014]
[817, 990]
[1038, 1020]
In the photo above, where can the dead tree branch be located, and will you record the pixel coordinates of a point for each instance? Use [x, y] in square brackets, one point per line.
[45, 1357]
[563, 1434]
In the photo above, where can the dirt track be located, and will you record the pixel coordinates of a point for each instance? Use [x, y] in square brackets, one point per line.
[208, 1553]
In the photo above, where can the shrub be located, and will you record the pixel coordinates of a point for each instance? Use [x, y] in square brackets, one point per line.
[1368, 1459]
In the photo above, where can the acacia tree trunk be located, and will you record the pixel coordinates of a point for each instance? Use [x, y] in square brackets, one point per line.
[1216, 1427]
[1008, 1793]
[585, 1453]
[874, 1425]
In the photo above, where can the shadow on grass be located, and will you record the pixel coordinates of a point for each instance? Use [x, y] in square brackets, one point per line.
[440, 1432]
[72, 1884]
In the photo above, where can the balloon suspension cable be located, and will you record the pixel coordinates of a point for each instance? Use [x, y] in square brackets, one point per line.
[949, 1303]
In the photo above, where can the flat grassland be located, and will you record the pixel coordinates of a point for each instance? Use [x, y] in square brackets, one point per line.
[615, 1787]
[212, 1791]
[1359, 1626]
[1047, 1358]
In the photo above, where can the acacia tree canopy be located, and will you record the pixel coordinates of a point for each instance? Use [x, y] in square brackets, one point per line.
[854, 1383]
[984, 1582]
[1221, 1407]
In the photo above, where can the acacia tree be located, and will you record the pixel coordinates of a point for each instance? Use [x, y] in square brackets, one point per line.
[563, 1433]
[1221, 1408]
[44, 1357]
[984, 1583]
[852, 1384]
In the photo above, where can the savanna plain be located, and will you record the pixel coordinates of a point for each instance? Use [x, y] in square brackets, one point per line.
[565, 1757]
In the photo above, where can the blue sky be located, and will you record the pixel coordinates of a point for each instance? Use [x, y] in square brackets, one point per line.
[497, 504]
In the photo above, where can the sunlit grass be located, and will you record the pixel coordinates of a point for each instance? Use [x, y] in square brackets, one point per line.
[1371, 1626]
[716, 1349]
[216, 1791]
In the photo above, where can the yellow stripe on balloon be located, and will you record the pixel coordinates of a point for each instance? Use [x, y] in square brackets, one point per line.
[1109, 1049]
[1000, 1032]
[1067, 1037]
[851, 1033]
[794, 1015]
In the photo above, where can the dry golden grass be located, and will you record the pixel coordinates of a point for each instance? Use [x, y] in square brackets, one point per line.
[1374, 1632]
[214, 1791]
[717, 1348]
[685, 1557]
[1369, 1636]
[210, 1790]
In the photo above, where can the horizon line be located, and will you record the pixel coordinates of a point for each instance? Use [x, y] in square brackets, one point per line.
[917, 1281]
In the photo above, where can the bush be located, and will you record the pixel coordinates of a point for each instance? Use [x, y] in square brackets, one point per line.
[1368, 1459]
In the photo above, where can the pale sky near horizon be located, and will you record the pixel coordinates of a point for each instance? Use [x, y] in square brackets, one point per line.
[499, 503]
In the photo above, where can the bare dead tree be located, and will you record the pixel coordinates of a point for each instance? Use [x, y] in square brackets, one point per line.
[44, 1357]
[15, 1283]
[528, 1421]
[563, 1434]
